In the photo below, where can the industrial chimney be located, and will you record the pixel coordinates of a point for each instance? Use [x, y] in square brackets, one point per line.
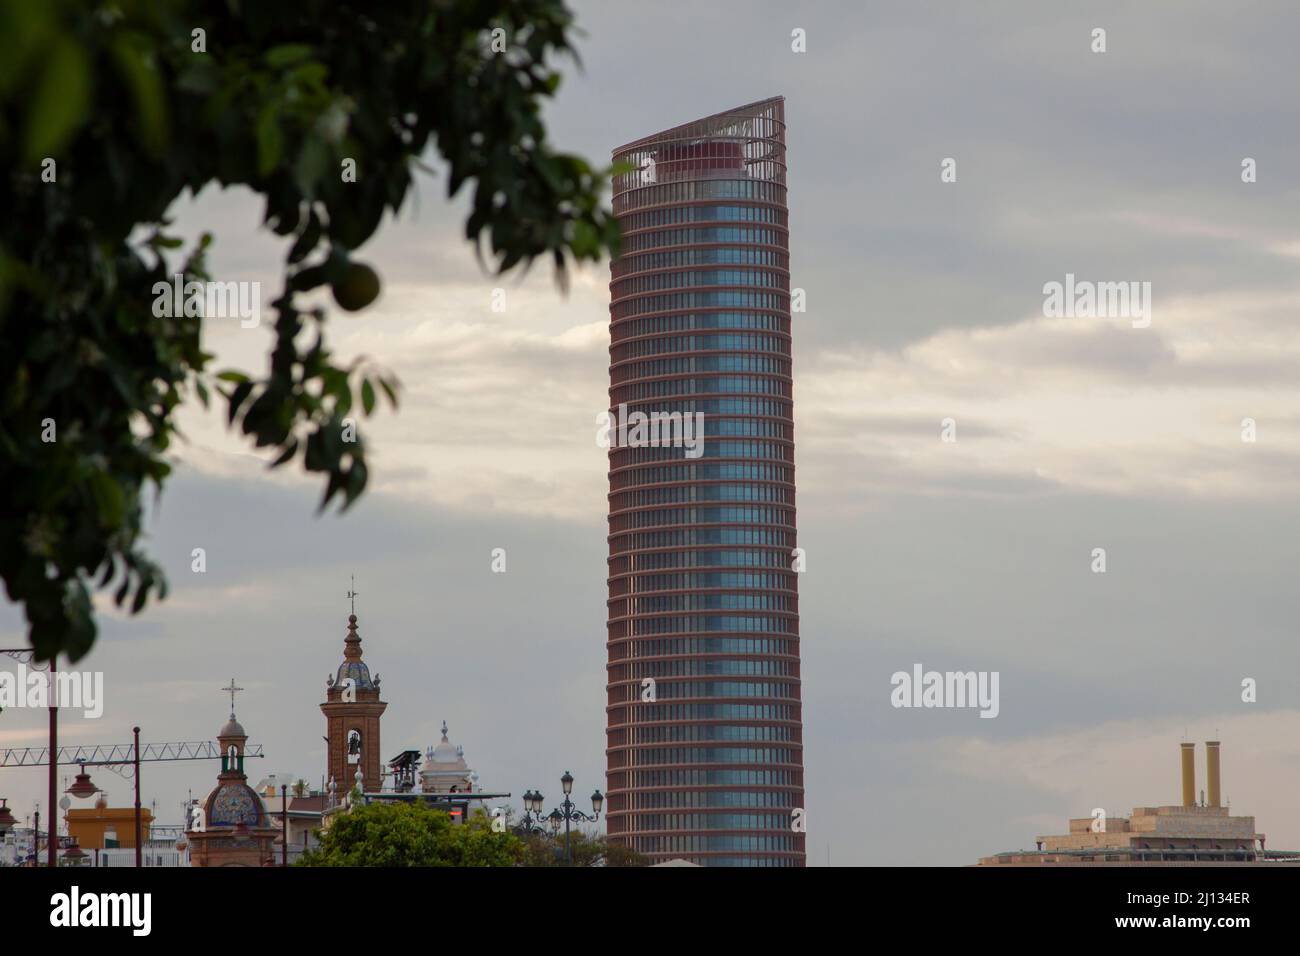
[1189, 775]
[1212, 771]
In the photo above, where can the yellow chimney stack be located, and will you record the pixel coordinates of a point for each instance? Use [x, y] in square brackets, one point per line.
[1212, 771]
[1189, 775]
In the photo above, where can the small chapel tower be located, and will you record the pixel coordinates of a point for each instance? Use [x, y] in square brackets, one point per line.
[230, 828]
[352, 710]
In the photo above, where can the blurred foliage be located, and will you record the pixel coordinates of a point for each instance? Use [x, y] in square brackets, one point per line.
[543, 850]
[411, 834]
[132, 115]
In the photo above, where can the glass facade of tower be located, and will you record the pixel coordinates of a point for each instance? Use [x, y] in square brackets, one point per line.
[705, 741]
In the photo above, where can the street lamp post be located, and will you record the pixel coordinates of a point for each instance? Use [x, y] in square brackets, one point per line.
[139, 835]
[54, 748]
[565, 813]
[65, 805]
[284, 824]
[82, 788]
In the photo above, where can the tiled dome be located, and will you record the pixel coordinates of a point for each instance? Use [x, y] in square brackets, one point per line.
[357, 670]
[231, 804]
[353, 667]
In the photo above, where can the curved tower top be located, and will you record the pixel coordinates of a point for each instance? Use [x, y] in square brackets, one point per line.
[748, 141]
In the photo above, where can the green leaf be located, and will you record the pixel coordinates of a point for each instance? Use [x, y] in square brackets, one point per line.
[109, 500]
[79, 636]
[141, 595]
[287, 54]
[137, 66]
[236, 399]
[289, 451]
[270, 141]
[61, 101]
[309, 278]
[367, 396]
[307, 239]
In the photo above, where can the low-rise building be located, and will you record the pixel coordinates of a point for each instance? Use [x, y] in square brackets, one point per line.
[1190, 834]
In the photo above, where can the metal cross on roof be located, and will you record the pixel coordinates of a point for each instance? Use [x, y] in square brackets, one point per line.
[231, 691]
[353, 592]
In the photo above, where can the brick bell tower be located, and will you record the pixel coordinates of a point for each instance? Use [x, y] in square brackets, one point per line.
[352, 710]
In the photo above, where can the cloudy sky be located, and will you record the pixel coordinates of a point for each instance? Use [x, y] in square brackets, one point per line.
[925, 302]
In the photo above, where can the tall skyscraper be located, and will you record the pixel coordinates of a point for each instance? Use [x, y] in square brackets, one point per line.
[705, 738]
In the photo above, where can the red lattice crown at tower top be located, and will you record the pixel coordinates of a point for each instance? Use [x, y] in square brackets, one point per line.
[748, 140]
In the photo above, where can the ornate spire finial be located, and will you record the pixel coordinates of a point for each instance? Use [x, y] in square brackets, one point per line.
[444, 730]
[231, 690]
[352, 643]
[352, 594]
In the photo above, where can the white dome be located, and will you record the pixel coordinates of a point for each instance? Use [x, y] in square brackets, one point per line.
[445, 768]
[444, 753]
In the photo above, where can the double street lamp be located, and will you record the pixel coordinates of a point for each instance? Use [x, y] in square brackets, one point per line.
[565, 813]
